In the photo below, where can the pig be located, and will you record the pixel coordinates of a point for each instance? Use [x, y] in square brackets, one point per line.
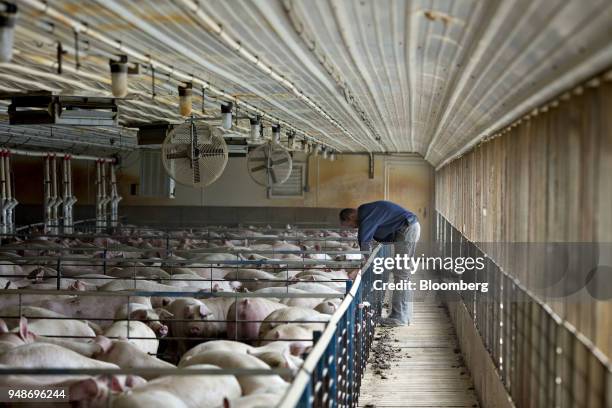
[92, 308]
[39, 314]
[194, 391]
[37, 355]
[244, 317]
[285, 246]
[146, 285]
[328, 306]
[250, 384]
[10, 340]
[149, 272]
[223, 345]
[138, 333]
[288, 315]
[151, 399]
[127, 355]
[276, 355]
[279, 359]
[81, 331]
[95, 279]
[87, 349]
[322, 280]
[220, 257]
[189, 282]
[199, 312]
[299, 336]
[327, 273]
[65, 284]
[315, 287]
[253, 279]
[152, 318]
[83, 391]
[253, 401]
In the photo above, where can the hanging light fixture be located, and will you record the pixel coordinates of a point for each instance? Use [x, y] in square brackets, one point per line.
[185, 99]
[324, 152]
[255, 127]
[276, 135]
[8, 16]
[226, 114]
[291, 141]
[304, 145]
[119, 77]
[316, 149]
[332, 156]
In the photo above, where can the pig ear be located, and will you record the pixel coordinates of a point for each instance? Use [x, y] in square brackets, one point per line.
[104, 342]
[139, 314]
[84, 390]
[163, 313]
[3, 327]
[115, 384]
[204, 311]
[133, 381]
[215, 287]
[296, 349]
[77, 285]
[23, 328]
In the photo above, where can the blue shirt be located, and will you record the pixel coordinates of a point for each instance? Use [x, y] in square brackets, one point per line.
[379, 220]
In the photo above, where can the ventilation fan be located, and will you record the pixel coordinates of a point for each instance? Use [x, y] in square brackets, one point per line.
[194, 154]
[269, 164]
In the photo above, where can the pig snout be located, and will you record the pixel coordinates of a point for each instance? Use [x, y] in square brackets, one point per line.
[195, 331]
[161, 330]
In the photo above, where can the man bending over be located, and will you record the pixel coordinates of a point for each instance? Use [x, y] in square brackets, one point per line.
[386, 222]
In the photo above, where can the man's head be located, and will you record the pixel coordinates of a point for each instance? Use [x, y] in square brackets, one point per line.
[348, 218]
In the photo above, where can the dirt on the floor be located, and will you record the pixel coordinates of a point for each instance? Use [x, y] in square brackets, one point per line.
[383, 352]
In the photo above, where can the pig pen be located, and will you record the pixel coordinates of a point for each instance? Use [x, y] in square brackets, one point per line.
[230, 281]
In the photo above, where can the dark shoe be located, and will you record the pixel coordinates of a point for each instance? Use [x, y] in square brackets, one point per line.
[391, 322]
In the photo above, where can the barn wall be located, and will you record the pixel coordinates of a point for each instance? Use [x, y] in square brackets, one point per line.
[407, 180]
[546, 180]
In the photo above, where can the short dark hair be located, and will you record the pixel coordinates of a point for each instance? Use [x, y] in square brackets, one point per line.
[345, 214]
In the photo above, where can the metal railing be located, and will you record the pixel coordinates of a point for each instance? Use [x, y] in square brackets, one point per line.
[541, 359]
[332, 372]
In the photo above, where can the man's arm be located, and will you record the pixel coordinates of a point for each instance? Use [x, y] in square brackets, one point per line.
[368, 223]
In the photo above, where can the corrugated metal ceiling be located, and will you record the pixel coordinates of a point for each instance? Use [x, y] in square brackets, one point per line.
[383, 76]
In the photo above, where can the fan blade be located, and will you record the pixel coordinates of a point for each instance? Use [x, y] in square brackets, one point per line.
[258, 168]
[281, 161]
[196, 170]
[194, 135]
[177, 155]
[257, 159]
[273, 176]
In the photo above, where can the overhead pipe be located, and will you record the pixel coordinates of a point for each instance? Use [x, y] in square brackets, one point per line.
[48, 201]
[29, 153]
[99, 197]
[68, 197]
[9, 192]
[55, 194]
[5, 203]
[105, 197]
[44, 7]
[114, 197]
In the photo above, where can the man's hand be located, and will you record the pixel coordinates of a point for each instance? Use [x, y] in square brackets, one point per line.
[352, 273]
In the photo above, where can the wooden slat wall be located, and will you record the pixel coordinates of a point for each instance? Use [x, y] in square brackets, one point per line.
[549, 179]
